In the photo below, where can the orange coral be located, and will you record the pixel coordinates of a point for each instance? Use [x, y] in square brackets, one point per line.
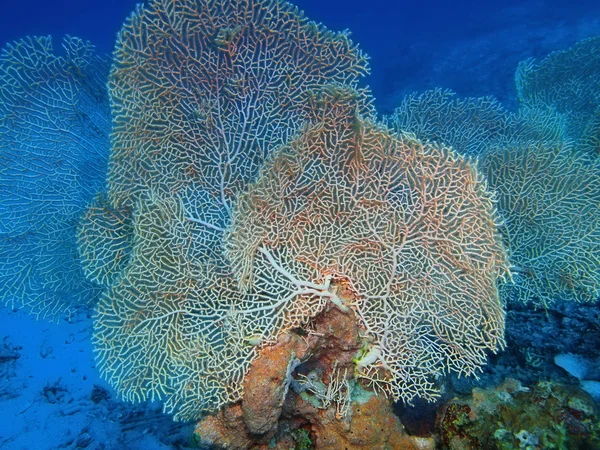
[273, 414]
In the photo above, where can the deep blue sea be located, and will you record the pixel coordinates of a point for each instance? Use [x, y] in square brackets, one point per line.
[158, 232]
[471, 47]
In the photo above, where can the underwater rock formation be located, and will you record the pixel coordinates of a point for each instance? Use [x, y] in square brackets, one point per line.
[546, 416]
[301, 393]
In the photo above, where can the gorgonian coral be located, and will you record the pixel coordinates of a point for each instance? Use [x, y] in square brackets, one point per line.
[202, 92]
[54, 127]
[257, 189]
[401, 235]
[545, 182]
[407, 231]
[471, 126]
[567, 82]
[550, 200]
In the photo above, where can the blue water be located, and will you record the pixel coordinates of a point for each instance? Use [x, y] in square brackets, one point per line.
[51, 393]
[471, 47]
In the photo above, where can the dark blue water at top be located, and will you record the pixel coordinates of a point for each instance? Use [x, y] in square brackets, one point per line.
[470, 46]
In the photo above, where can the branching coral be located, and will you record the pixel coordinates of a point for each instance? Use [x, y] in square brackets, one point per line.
[167, 328]
[550, 199]
[568, 82]
[201, 92]
[545, 185]
[104, 241]
[471, 126]
[407, 228]
[258, 218]
[346, 215]
[253, 190]
[54, 126]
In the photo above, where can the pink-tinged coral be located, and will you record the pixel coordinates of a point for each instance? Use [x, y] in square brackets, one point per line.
[202, 92]
[398, 234]
[408, 228]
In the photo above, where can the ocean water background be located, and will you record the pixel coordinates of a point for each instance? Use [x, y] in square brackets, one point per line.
[469, 46]
[51, 395]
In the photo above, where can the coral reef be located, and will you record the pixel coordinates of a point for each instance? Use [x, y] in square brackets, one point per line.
[211, 274]
[277, 263]
[227, 83]
[407, 227]
[547, 416]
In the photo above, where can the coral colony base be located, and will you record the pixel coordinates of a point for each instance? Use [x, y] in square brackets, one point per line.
[268, 257]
